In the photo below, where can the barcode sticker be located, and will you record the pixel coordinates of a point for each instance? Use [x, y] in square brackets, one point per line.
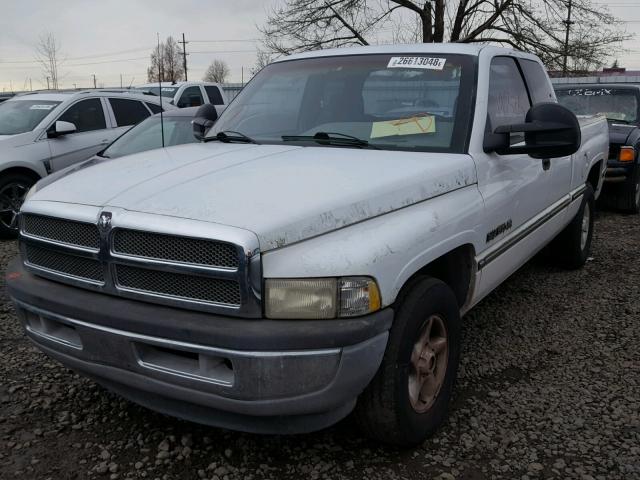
[429, 63]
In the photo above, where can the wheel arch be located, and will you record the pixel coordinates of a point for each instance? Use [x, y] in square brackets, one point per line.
[22, 170]
[457, 268]
[594, 178]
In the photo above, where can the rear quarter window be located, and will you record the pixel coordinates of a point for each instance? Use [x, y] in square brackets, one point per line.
[154, 108]
[128, 112]
[215, 97]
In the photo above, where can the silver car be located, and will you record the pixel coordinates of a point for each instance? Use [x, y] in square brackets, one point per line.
[41, 133]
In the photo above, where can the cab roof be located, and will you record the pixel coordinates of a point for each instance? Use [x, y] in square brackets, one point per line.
[406, 49]
[175, 85]
[63, 95]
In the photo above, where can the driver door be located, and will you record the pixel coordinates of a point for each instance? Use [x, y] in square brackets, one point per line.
[91, 135]
[517, 189]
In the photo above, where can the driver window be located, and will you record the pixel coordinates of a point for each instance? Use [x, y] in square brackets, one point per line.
[191, 97]
[508, 98]
[86, 115]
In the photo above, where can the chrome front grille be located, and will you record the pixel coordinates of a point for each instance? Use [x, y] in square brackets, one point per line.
[190, 269]
[171, 248]
[64, 264]
[68, 232]
[203, 289]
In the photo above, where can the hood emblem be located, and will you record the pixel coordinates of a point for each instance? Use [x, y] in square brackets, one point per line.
[105, 220]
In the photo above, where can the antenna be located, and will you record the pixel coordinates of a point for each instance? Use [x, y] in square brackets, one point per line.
[160, 90]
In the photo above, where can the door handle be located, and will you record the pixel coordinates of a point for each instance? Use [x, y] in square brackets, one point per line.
[104, 142]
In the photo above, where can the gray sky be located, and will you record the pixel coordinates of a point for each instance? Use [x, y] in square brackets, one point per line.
[116, 37]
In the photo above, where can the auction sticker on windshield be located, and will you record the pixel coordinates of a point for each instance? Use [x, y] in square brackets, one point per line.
[41, 107]
[404, 126]
[429, 63]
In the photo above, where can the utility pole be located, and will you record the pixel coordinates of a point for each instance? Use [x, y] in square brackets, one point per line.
[94, 80]
[120, 80]
[47, 83]
[30, 85]
[568, 24]
[184, 56]
[242, 75]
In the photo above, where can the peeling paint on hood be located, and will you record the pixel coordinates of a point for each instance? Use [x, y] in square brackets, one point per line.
[284, 194]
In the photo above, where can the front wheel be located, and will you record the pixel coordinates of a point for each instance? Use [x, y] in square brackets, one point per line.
[629, 199]
[13, 188]
[408, 399]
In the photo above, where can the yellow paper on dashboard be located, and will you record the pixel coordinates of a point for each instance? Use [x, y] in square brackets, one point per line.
[404, 126]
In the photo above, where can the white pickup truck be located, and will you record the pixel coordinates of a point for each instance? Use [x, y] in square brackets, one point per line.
[316, 254]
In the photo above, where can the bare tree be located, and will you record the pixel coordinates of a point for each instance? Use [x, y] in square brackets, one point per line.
[218, 71]
[263, 58]
[532, 25]
[166, 63]
[49, 57]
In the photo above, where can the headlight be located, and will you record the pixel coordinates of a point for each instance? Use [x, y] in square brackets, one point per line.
[319, 298]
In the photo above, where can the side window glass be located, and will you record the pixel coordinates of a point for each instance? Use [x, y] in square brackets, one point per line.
[508, 98]
[86, 115]
[215, 97]
[191, 97]
[154, 108]
[539, 85]
[128, 112]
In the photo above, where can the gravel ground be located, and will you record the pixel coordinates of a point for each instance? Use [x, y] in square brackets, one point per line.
[549, 388]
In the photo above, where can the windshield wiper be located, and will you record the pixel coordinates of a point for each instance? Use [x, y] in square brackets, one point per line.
[331, 138]
[230, 136]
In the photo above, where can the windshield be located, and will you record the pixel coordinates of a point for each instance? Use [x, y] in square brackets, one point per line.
[168, 92]
[20, 116]
[147, 136]
[619, 104]
[420, 102]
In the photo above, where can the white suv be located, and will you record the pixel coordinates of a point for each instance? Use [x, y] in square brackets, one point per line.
[41, 133]
[187, 94]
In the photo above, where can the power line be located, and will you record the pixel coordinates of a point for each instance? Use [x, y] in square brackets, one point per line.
[85, 56]
[249, 40]
[224, 51]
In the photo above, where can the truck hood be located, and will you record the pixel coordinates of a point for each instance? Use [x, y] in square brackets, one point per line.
[619, 134]
[282, 193]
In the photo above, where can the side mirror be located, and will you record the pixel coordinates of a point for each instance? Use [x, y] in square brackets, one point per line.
[206, 116]
[61, 128]
[550, 131]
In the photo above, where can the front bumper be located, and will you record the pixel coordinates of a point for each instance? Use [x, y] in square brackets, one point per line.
[619, 172]
[253, 375]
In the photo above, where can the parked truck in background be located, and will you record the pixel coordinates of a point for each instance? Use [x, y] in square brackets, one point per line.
[187, 94]
[621, 105]
[316, 255]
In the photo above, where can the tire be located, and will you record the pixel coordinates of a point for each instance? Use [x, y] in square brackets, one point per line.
[628, 200]
[13, 188]
[385, 410]
[572, 246]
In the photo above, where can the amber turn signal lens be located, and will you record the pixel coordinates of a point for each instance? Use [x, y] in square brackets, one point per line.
[627, 154]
